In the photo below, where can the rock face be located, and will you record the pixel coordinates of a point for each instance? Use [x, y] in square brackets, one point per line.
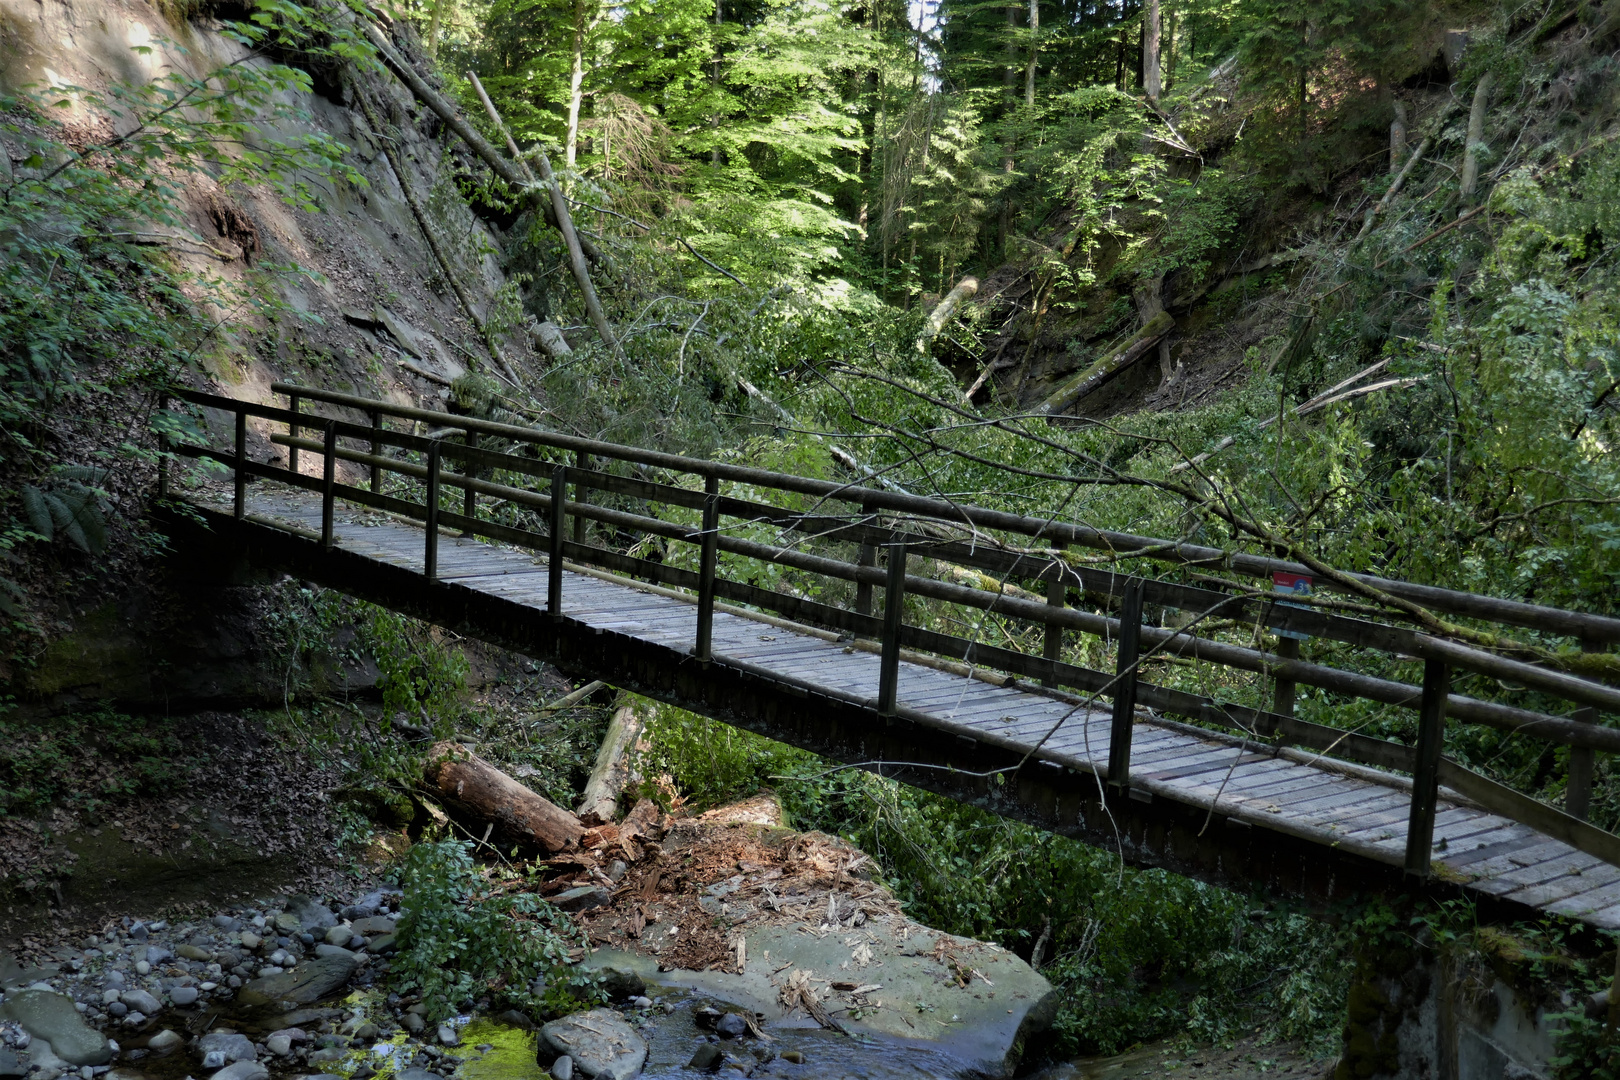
[599, 1043]
[52, 1017]
[305, 984]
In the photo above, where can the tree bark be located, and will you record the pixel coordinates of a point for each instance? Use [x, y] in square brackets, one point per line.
[612, 771]
[576, 84]
[1034, 49]
[472, 785]
[1397, 137]
[1476, 137]
[1103, 370]
[941, 315]
[1150, 50]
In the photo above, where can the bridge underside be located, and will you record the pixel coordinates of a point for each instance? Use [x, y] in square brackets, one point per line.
[1148, 831]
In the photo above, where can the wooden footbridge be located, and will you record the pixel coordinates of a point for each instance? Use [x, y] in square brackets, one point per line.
[784, 605]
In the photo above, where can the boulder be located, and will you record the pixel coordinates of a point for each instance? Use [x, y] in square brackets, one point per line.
[47, 1015]
[599, 1043]
[303, 985]
[230, 1046]
[243, 1070]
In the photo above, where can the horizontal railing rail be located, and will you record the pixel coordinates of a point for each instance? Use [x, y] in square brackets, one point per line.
[902, 527]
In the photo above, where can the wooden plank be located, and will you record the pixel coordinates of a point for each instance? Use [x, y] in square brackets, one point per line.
[1591, 900]
[1534, 854]
[1195, 766]
[1466, 861]
[1584, 880]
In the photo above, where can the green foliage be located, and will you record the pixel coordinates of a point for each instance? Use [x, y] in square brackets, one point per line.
[422, 676]
[71, 509]
[461, 940]
[709, 763]
[43, 764]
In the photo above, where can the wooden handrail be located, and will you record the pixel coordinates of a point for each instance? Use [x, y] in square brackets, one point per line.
[971, 548]
[1487, 608]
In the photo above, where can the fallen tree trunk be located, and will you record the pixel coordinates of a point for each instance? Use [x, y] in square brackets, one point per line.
[942, 314]
[549, 336]
[600, 803]
[510, 171]
[1105, 369]
[472, 785]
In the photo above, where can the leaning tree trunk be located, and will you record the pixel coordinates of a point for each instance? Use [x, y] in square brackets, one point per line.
[1150, 50]
[612, 772]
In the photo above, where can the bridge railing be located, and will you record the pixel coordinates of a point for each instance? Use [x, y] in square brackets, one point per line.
[578, 478]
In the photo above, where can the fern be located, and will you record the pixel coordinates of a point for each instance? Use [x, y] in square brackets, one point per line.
[71, 510]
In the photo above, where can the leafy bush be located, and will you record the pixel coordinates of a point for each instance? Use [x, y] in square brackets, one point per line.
[461, 941]
[711, 763]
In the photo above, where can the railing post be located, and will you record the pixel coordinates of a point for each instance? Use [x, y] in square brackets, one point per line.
[867, 556]
[1057, 590]
[469, 498]
[430, 558]
[1426, 770]
[1282, 700]
[239, 507]
[1582, 762]
[1130, 645]
[894, 596]
[554, 571]
[708, 556]
[163, 451]
[376, 449]
[328, 484]
[582, 461]
[293, 428]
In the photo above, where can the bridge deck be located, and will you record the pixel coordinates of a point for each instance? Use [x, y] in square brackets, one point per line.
[1347, 808]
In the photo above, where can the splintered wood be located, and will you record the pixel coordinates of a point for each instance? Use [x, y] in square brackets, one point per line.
[750, 875]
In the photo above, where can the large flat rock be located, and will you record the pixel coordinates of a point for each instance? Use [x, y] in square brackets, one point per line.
[304, 985]
[984, 1021]
[50, 1016]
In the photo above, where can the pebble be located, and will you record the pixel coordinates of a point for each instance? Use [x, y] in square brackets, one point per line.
[227, 923]
[214, 1059]
[243, 1070]
[279, 1045]
[109, 996]
[117, 1008]
[794, 1056]
[731, 1026]
[250, 940]
[448, 1036]
[184, 995]
[641, 1002]
[135, 1018]
[562, 1068]
[413, 1023]
[142, 967]
[338, 935]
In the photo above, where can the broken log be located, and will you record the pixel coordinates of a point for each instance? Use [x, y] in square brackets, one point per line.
[942, 314]
[1108, 367]
[549, 337]
[473, 786]
[612, 771]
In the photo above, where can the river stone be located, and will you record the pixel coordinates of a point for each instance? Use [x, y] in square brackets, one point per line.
[307, 983]
[375, 924]
[599, 1042]
[413, 1073]
[192, 952]
[323, 949]
[243, 1070]
[707, 1058]
[584, 898]
[165, 1042]
[310, 914]
[279, 1045]
[141, 1001]
[232, 1046]
[562, 1068]
[11, 1065]
[383, 944]
[183, 995]
[338, 935]
[731, 1026]
[52, 1017]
